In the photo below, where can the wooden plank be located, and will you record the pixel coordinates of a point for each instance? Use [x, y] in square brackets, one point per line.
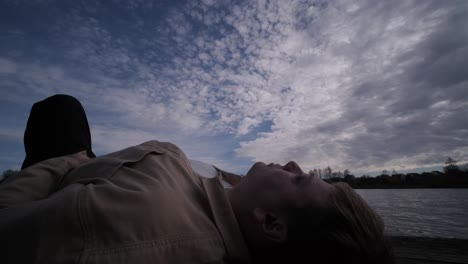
[416, 250]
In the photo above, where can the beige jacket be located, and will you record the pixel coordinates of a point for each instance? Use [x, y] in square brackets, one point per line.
[142, 204]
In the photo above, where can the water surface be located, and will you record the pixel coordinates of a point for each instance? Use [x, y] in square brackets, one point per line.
[421, 212]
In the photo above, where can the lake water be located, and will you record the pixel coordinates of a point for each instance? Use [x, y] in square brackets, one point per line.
[421, 212]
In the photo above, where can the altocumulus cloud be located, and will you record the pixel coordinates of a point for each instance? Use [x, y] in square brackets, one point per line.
[362, 85]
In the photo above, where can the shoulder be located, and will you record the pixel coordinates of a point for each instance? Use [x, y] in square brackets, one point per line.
[147, 155]
[168, 146]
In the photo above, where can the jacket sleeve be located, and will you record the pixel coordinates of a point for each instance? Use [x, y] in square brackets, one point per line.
[38, 181]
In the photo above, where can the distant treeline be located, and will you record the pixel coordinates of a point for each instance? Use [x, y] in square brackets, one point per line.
[453, 176]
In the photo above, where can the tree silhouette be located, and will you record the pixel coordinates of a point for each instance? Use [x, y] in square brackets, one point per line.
[451, 166]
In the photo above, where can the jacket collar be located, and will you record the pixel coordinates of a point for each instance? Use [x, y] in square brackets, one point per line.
[226, 221]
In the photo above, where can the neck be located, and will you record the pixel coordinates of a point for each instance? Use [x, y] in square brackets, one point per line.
[243, 212]
[235, 201]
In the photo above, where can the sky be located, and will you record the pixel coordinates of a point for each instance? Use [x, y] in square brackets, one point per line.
[360, 85]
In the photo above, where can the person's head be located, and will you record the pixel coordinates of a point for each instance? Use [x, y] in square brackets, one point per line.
[57, 126]
[288, 216]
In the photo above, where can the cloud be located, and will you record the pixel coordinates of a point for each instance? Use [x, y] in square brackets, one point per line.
[11, 134]
[364, 87]
[351, 84]
[7, 66]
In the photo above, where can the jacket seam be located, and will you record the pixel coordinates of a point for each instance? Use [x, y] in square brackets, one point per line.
[157, 244]
[161, 145]
[81, 220]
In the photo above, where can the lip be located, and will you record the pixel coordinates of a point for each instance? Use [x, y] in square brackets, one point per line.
[275, 165]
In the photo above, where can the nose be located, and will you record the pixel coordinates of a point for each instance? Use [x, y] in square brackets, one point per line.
[292, 166]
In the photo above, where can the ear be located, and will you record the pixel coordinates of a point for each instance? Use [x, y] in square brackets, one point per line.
[273, 226]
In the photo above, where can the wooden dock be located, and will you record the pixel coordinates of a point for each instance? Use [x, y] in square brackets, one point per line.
[418, 250]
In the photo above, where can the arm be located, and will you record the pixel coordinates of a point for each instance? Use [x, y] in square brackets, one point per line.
[38, 181]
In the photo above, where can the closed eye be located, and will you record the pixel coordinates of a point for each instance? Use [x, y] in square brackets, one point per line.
[299, 178]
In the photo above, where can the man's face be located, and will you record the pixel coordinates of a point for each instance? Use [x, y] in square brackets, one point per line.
[274, 186]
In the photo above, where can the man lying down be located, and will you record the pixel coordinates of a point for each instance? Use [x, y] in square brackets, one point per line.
[150, 204]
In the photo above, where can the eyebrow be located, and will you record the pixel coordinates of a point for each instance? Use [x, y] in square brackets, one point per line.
[307, 178]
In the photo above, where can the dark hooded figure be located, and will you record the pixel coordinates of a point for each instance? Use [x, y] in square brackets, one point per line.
[57, 126]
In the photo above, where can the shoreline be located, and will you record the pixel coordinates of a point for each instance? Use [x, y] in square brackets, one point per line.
[409, 187]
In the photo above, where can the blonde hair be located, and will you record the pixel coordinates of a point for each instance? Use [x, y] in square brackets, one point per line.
[348, 231]
[364, 230]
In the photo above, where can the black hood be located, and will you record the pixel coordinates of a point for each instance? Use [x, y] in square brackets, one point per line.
[57, 126]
